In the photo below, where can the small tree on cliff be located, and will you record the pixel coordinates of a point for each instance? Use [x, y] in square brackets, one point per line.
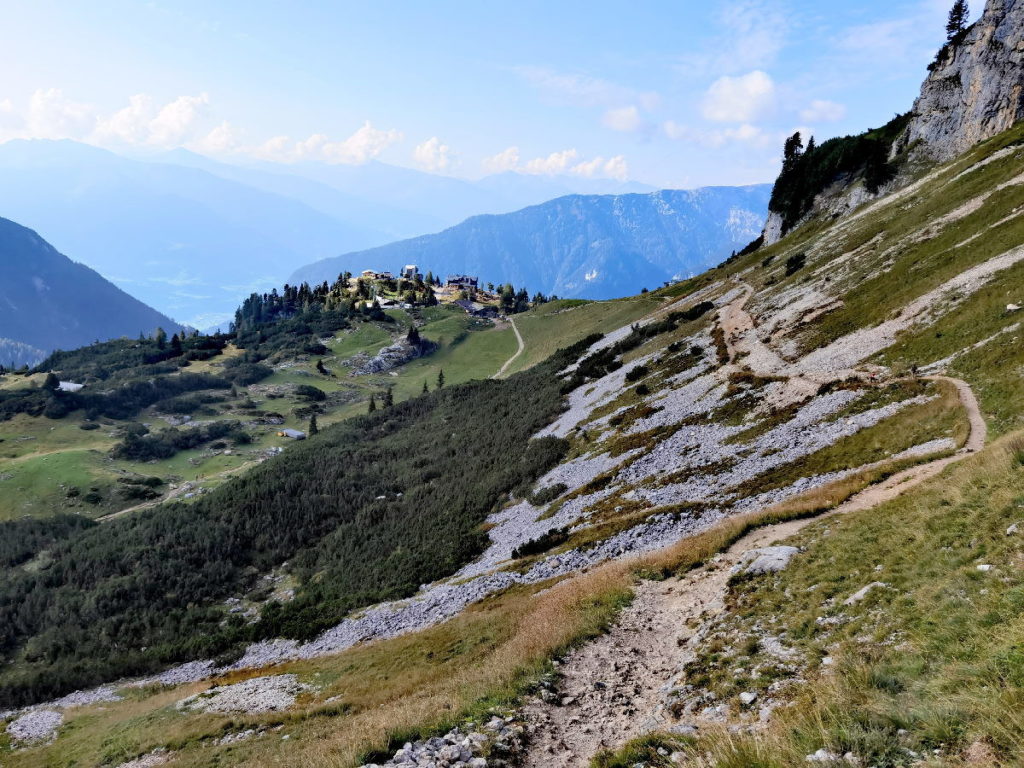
[956, 25]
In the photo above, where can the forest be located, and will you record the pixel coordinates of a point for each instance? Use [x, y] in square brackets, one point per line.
[365, 511]
[806, 172]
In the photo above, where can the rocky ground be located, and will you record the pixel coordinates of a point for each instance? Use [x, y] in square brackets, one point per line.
[499, 744]
[713, 464]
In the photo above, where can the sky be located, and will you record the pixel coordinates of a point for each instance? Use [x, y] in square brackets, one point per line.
[672, 94]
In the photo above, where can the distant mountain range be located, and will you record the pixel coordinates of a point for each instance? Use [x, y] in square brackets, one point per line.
[192, 236]
[588, 246]
[49, 302]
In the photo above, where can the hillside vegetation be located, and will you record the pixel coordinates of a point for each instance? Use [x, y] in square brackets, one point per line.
[769, 516]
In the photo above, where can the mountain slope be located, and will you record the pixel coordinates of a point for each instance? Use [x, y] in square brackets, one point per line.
[593, 246]
[50, 302]
[186, 241]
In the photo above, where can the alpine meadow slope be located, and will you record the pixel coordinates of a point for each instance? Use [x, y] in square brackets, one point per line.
[765, 517]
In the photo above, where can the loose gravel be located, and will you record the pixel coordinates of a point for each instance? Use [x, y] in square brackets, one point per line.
[274, 693]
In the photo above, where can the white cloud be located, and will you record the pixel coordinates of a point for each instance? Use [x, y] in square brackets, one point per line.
[221, 140]
[359, 148]
[432, 155]
[624, 119]
[822, 111]
[739, 99]
[129, 125]
[53, 116]
[184, 121]
[555, 163]
[565, 162]
[143, 123]
[599, 167]
[176, 120]
[506, 160]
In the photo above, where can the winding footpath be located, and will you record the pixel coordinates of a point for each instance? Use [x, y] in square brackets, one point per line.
[613, 689]
[522, 346]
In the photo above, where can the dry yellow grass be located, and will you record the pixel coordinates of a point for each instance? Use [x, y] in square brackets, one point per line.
[410, 685]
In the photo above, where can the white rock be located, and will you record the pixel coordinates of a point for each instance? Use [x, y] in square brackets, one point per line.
[985, 567]
[861, 593]
[822, 756]
[747, 698]
[1013, 529]
[765, 560]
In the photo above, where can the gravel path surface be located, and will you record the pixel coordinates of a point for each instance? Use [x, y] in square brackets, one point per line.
[616, 688]
[519, 351]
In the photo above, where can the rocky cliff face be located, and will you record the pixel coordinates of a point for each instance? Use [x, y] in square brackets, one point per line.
[977, 89]
[974, 91]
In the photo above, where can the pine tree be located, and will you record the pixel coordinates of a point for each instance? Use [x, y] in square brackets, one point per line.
[161, 338]
[440, 379]
[791, 153]
[388, 398]
[314, 428]
[373, 405]
[51, 382]
[175, 344]
[956, 25]
[425, 389]
[413, 336]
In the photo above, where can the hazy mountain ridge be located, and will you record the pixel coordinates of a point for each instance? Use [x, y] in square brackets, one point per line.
[48, 301]
[588, 246]
[180, 239]
[192, 236]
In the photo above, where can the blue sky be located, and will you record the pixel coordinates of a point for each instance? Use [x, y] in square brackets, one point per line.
[673, 94]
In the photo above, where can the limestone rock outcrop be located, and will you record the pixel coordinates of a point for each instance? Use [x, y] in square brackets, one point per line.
[976, 89]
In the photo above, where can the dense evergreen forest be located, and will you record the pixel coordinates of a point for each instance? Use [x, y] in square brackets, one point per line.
[808, 171]
[366, 510]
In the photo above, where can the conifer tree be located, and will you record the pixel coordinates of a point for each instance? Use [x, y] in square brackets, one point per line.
[956, 25]
[440, 378]
[373, 405]
[161, 338]
[425, 389]
[314, 428]
[388, 399]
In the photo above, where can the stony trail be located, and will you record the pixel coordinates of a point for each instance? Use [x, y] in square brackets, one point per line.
[612, 690]
[522, 346]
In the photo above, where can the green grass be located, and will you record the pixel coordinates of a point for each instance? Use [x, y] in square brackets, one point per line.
[937, 654]
[996, 370]
[560, 323]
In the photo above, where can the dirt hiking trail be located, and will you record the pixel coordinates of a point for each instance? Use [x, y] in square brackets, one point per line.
[612, 690]
[522, 346]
